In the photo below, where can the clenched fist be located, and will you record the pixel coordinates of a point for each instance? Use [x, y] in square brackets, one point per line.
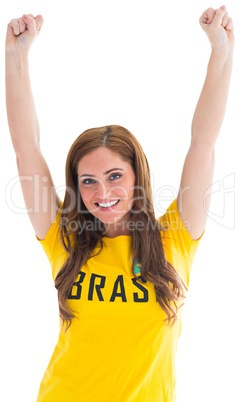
[218, 26]
[21, 32]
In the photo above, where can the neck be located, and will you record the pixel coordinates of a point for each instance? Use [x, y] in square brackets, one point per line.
[119, 228]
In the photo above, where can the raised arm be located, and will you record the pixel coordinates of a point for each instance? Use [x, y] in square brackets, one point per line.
[37, 186]
[207, 120]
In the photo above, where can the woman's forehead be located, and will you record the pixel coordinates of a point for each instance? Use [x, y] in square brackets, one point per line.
[102, 159]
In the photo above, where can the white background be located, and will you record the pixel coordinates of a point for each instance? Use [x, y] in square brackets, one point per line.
[140, 64]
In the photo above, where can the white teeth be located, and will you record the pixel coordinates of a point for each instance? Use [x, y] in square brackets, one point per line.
[107, 204]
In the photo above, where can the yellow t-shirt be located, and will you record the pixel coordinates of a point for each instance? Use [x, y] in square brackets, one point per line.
[118, 348]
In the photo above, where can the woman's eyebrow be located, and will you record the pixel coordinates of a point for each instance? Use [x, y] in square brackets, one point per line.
[110, 170]
[92, 175]
[86, 175]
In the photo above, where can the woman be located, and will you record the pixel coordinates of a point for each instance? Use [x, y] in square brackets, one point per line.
[121, 275]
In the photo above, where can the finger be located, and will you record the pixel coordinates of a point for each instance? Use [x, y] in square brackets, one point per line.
[207, 16]
[219, 16]
[225, 20]
[39, 22]
[38, 19]
[33, 23]
[15, 27]
[22, 25]
[30, 24]
[229, 25]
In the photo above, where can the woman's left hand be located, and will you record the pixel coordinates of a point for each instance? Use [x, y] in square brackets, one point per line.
[218, 26]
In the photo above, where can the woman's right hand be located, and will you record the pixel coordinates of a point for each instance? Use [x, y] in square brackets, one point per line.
[21, 32]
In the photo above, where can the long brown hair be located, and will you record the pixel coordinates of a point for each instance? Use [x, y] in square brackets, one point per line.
[79, 242]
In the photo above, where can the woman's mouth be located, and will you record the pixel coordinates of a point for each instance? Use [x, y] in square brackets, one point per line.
[108, 204]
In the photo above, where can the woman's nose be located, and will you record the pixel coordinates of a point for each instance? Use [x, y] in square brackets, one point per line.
[102, 191]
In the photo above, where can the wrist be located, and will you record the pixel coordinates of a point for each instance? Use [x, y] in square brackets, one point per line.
[223, 46]
[16, 61]
[222, 54]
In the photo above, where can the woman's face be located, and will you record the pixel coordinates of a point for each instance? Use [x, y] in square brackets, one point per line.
[106, 185]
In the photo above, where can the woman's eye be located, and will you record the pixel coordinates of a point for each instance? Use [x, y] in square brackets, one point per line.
[88, 181]
[115, 176]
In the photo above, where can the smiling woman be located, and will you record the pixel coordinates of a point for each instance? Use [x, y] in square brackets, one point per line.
[121, 273]
[112, 200]
[109, 166]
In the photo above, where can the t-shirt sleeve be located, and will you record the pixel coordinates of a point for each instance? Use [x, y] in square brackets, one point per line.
[52, 246]
[179, 247]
